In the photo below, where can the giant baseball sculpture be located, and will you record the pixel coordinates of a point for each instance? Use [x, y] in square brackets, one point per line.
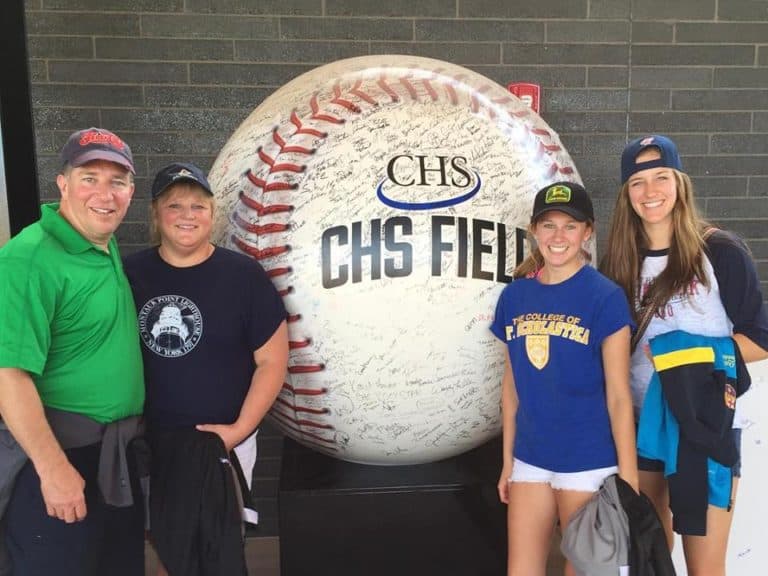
[387, 197]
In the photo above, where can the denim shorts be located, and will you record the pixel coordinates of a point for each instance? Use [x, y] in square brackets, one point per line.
[649, 465]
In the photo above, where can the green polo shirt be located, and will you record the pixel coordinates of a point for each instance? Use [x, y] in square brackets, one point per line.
[67, 317]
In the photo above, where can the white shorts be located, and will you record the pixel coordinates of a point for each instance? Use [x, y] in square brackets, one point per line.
[585, 481]
[246, 453]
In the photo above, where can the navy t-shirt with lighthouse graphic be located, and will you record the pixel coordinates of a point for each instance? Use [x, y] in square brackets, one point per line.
[199, 328]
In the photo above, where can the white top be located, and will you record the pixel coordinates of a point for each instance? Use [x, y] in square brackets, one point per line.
[698, 311]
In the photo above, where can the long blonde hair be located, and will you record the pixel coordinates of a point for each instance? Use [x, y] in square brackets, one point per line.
[627, 241]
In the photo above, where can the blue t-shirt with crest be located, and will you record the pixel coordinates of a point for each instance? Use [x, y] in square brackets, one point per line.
[554, 335]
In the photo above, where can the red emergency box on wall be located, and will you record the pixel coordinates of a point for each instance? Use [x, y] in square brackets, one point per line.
[528, 93]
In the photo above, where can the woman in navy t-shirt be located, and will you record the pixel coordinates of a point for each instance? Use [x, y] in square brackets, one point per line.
[215, 348]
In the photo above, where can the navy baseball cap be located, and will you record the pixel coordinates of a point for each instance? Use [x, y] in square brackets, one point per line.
[96, 144]
[179, 172]
[568, 197]
[670, 158]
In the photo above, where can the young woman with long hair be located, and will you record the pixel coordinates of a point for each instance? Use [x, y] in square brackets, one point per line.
[690, 277]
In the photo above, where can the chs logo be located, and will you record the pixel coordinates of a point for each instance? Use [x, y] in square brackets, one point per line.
[558, 195]
[412, 177]
[387, 247]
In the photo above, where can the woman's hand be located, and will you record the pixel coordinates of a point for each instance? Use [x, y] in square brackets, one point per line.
[632, 479]
[503, 485]
[228, 433]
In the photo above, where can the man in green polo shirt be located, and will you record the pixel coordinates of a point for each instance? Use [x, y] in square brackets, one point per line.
[71, 383]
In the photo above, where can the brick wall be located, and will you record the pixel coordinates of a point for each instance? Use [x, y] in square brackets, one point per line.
[176, 77]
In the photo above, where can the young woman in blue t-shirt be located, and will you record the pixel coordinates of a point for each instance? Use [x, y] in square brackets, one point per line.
[567, 409]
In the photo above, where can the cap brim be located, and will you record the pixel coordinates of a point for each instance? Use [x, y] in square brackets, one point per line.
[577, 214]
[105, 155]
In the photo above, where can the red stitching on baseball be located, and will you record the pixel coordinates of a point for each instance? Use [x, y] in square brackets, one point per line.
[268, 187]
[295, 420]
[337, 99]
[296, 344]
[475, 103]
[405, 81]
[326, 443]
[280, 141]
[430, 90]
[362, 95]
[312, 423]
[263, 209]
[550, 147]
[452, 94]
[274, 272]
[305, 368]
[260, 229]
[302, 408]
[285, 167]
[324, 117]
[304, 391]
[382, 83]
[451, 90]
[260, 253]
[300, 129]
[552, 170]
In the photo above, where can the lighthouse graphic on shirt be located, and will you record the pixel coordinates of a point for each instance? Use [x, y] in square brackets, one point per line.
[170, 325]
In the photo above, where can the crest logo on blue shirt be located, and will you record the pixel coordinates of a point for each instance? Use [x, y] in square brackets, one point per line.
[537, 348]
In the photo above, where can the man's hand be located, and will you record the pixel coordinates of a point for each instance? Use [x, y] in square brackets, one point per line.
[64, 492]
[61, 485]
